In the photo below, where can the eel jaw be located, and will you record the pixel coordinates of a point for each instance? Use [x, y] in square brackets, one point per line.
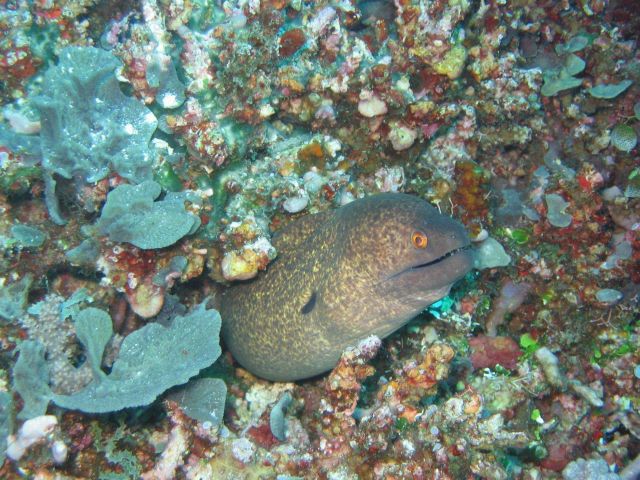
[448, 255]
[442, 258]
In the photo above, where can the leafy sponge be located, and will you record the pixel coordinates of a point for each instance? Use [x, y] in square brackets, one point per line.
[131, 215]
[88, 124]
[151, 360]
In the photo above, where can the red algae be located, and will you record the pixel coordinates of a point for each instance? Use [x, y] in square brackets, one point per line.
[487, 352]
[291, 41]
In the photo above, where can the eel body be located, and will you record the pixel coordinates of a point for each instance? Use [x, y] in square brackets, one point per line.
[363, 269]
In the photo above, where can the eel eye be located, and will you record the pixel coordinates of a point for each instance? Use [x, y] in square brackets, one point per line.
[419, 239]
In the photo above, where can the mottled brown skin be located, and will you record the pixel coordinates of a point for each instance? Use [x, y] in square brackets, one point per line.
[341, 276]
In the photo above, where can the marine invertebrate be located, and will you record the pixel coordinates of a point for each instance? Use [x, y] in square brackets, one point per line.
[592, 469]
[364, 269]
[13, 298]
[88, 124]
[33, 431]
[17, 64]
[512, 295]
[131, 215]
[487, 352]
[49, 323]
[291, 41]
[556, 206]
[28, 236]
[624, 137]
[558, 80]
[145, 366]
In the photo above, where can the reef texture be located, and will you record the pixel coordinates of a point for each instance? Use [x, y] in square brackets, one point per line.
[520, 119]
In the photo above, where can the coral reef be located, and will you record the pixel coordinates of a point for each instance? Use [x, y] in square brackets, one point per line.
[150, 152]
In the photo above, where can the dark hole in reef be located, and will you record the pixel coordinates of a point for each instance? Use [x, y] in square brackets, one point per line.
[79, 358]
[101, 14]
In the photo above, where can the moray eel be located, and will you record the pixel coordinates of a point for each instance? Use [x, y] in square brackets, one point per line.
[363, 269]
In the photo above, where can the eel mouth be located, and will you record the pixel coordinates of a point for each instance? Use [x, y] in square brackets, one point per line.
[442, 258]
[431, 263]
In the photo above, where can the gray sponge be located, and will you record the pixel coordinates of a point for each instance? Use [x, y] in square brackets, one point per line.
[151, 360]
[88, 124]
[131, 215]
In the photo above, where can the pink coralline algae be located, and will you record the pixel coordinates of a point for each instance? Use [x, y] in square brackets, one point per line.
[487, 352]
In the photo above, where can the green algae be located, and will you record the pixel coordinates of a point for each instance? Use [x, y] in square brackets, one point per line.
[6, 421]
[554, 85]
[203, 399]
[127, 464]
[520, 236]
[30, 379]
[633, 184]
[490, 254]
[146, 365]
[144, 369]
[94, 330]
[529, 344]
[166, 176]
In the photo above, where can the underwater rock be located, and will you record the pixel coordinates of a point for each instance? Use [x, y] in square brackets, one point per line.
[370, 105]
